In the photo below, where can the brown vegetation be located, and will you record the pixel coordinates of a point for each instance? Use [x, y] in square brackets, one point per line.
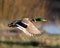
[16, 9]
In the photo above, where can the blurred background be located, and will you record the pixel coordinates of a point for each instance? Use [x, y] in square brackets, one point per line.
[11, 10]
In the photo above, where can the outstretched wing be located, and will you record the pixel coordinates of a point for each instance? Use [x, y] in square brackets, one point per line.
[24, 30]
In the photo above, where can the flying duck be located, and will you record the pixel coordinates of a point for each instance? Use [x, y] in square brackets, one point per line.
[26, 26]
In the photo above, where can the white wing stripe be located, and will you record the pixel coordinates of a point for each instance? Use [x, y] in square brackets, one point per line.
[24, 30]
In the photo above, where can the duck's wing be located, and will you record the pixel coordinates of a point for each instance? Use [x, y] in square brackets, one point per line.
[24, 30]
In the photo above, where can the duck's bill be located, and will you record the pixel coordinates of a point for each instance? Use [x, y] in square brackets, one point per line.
[44, 20]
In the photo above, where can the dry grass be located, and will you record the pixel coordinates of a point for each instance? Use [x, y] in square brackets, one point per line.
[13, 9]
[10, 38]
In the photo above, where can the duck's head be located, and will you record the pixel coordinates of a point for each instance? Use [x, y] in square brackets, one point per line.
[39, 20]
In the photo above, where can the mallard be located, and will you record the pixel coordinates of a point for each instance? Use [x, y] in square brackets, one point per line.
[26, 26]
